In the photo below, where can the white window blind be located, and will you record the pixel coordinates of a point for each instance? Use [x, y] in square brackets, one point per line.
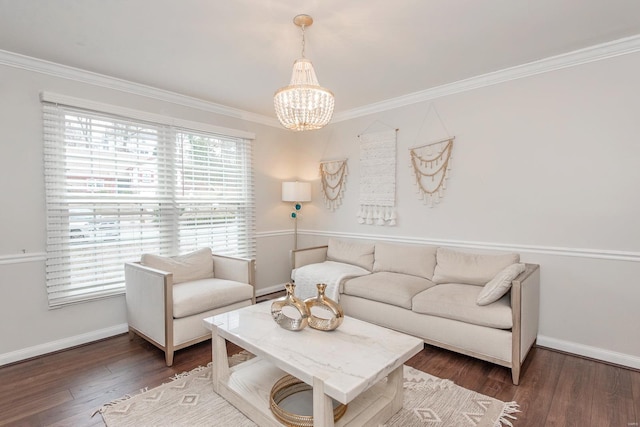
[118, 187]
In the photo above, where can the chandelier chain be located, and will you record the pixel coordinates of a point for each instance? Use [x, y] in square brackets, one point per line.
[302, 26]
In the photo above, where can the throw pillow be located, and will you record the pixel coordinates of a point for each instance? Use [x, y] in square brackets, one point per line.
[360, 254]
[192, 266]
[499, 285]
[469, 268]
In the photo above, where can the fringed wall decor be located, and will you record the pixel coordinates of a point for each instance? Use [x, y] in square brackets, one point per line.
[431, 164]
[378, 178]
[333, 176]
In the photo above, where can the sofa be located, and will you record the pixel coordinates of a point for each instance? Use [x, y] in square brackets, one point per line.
[481, 305]
[168, 297]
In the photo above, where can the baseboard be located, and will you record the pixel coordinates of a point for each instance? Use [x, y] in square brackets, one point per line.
[65, 343]
[609, 356]
[270, 290]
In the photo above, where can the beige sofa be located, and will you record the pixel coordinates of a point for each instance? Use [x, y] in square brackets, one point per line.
[485, 306]
[168, 297]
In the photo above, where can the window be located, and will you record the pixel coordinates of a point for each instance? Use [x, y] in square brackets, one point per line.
[117, 187]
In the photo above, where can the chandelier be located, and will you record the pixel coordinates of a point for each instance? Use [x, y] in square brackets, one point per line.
[304, 104]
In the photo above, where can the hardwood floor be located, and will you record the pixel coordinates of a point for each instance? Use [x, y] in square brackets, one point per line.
[556, 389]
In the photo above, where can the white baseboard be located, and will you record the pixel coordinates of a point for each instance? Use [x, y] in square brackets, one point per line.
[50, 347]
[270, 289]
[591, 352]
[543, 341]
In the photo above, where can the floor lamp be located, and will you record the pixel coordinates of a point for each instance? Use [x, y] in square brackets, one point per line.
[296, 192]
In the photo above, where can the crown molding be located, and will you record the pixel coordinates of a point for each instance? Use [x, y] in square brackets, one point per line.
[58, 70]
[598, 52]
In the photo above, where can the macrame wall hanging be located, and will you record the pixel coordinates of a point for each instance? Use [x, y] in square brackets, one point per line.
[333, 177]
[431, 164]
[378, 178]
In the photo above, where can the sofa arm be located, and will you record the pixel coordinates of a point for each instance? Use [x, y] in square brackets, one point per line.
[525, 305]
[149, 300]
[302, 257]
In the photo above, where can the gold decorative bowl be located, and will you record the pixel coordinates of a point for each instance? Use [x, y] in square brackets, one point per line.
[290, 385]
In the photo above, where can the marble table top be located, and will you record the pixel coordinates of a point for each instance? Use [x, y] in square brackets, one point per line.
[348, 360]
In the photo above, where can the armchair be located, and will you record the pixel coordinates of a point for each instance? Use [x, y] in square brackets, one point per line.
[167, 297]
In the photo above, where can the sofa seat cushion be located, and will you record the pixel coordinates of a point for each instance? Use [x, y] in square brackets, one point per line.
[198, 296]
[391, 288]
[458, 302]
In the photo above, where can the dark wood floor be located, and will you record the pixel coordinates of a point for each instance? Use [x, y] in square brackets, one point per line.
[556, 389]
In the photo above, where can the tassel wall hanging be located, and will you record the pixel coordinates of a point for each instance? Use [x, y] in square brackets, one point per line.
[431, 164]
[333, 176]
[378, 178]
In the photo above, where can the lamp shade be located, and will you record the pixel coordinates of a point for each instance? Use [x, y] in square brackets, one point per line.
[296, 191]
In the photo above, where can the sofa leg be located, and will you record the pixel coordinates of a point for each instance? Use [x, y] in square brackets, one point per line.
[515, 374]
[168, 357]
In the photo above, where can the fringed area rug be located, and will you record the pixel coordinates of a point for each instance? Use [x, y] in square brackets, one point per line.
[189, 400]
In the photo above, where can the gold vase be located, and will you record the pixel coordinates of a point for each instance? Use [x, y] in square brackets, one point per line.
[332, 309]
[290, 300]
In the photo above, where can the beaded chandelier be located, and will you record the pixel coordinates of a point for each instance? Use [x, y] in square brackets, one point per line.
[304, 104]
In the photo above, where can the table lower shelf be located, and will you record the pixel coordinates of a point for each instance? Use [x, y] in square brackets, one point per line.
[249, 384]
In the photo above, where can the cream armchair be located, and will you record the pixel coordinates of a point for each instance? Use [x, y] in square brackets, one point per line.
[167, 297]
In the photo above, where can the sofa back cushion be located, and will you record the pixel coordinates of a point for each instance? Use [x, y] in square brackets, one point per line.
[356, 253]
[468, 268]
[192, 266]
[408, 259]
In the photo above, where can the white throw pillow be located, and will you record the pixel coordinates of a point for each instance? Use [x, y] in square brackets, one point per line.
[192, 266]
[499, 285]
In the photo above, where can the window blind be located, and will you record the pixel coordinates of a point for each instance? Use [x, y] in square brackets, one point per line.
[118, 187]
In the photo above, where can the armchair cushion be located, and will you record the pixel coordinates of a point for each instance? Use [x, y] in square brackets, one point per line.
[198, 296]
[192, 266]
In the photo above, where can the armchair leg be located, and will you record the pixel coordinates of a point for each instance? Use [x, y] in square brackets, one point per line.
[515, 374]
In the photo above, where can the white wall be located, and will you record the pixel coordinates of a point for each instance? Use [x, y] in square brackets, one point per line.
[27, 326]
[548, 166]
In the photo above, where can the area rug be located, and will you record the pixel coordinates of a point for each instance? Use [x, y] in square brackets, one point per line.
[189, 400]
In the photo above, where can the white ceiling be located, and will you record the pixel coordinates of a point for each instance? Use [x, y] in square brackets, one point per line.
[238, 52]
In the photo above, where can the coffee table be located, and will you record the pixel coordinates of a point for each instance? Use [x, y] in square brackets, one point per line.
[349, 365]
